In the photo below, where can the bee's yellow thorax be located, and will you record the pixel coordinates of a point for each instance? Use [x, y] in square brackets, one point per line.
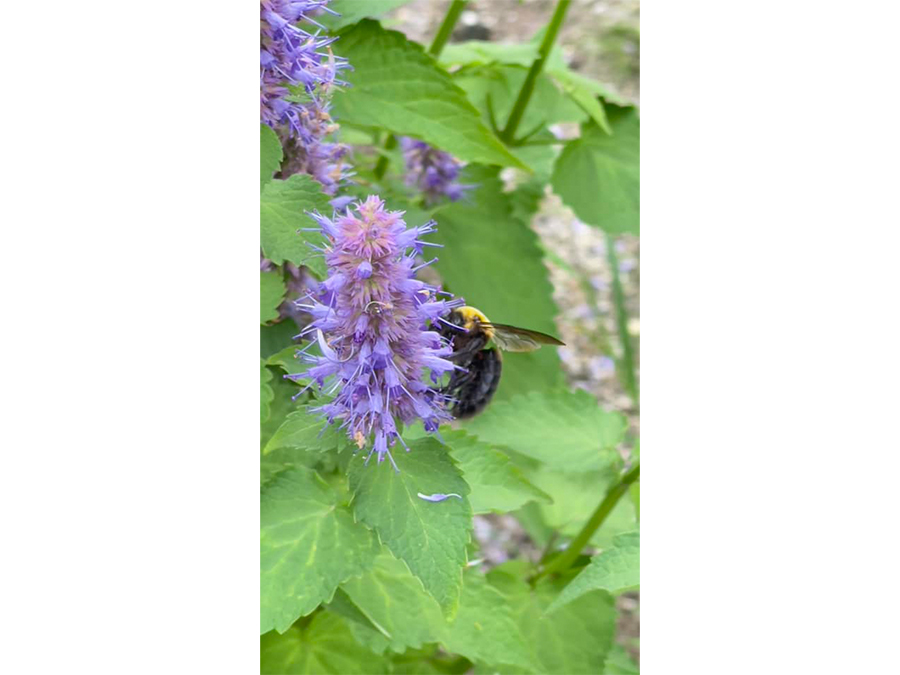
[474, 316]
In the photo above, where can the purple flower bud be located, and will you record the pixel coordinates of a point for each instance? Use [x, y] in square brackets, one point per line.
[377, 333]
[432, 171]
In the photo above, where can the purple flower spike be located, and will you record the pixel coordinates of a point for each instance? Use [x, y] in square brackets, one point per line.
[296, 73]
[377, 328]
[432, 171]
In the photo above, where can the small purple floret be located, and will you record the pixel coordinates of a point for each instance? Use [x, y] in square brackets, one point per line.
[438, 497]
[376, 325]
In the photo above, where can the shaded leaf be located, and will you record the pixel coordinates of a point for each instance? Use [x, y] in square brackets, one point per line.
[323, 647]
[308, 546]
[282, 218]
[616, 569]
[429, 537]
[397, 86]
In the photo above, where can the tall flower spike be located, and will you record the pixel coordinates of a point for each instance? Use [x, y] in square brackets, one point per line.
[432, 171]
[376, 327]
[296, 74]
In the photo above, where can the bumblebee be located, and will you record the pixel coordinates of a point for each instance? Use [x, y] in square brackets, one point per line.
[476, 345]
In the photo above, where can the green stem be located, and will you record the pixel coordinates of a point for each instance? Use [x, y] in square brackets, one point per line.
[447, 26]
[515, 117]
[437, 46]
[627, 361]
[562, 562]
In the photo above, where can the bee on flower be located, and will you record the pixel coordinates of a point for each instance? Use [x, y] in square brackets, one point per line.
[377, 327]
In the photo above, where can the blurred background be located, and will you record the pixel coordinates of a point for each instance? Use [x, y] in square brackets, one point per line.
[600, 38]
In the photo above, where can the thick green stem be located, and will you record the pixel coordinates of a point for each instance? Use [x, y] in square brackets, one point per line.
[627, 361]
[515, 117]
[562, 562]
[437, 45]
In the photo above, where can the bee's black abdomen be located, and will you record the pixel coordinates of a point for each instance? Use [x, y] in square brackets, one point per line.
[478, 391]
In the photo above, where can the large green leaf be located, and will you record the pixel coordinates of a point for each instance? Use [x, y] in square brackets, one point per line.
[493, 261]
[283, 221]
[564, 429]
[616, 569]
[619, 662]
[497, 485]
[397, 604]
[396, 85]
[308, 546]
[351, 11]
[575, 639]
[598, 176]
[271, 293]
[324, 646]
[270, 154]
[430, 537]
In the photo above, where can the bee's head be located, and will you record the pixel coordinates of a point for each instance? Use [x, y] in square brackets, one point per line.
[470, 319]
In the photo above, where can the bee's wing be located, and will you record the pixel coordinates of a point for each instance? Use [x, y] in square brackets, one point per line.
[514, 339]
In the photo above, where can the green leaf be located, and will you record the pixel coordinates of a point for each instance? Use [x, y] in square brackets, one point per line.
[352, 11]
[305, 429]
[598, 176]
[396, 85]
[270, 154]
[282, 220]
[576, 639]
[485, 628]
[564, 429]
[493, 260]
[591, 105]
[265, 391]
[394, 601]
[497, 485]
[308, 546]
[271, 293]
[325, 646]
[476, 52]
[616, 570]
[430, 537]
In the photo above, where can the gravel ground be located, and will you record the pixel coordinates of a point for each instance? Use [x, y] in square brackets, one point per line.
[600, 38]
